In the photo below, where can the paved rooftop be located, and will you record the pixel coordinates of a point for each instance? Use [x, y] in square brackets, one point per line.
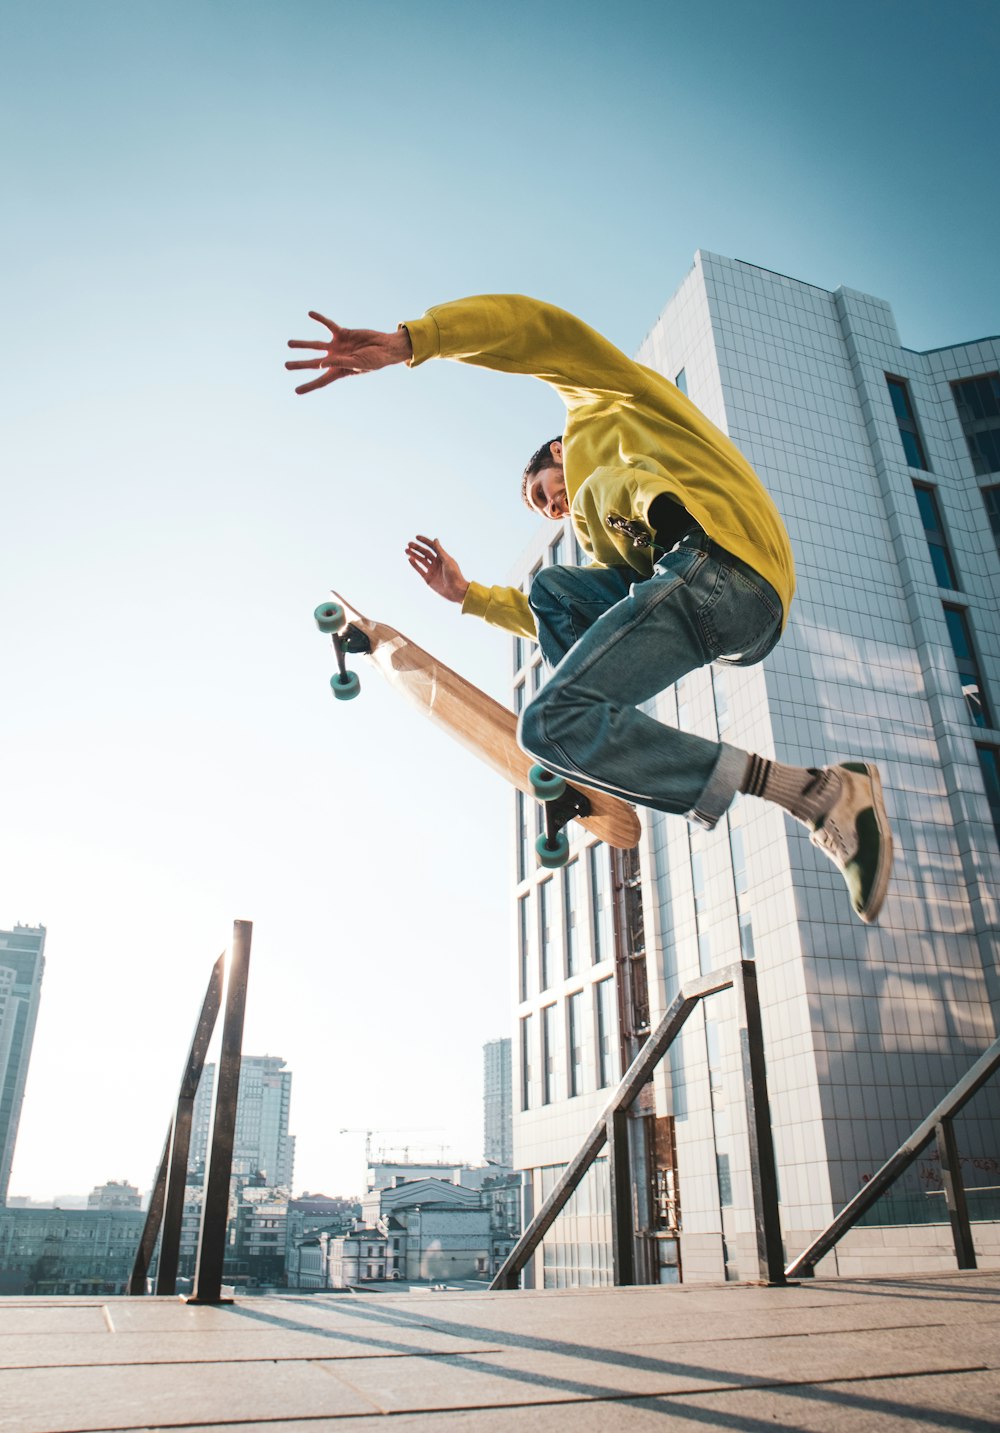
[918, 1352]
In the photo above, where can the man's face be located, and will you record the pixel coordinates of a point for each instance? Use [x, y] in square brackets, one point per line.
[546, 492]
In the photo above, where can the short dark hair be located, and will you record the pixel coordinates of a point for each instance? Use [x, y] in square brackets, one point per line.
[540, 460]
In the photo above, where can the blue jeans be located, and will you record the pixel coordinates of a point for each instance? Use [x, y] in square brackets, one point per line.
[615, 640]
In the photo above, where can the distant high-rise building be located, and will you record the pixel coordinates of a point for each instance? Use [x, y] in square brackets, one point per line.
[497, 1141]
[22, 963]
[115, 1194]
[263, 1144]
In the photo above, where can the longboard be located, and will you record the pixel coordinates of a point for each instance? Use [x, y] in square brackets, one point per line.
[471, 717]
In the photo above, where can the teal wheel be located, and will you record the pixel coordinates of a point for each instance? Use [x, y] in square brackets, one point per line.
[329, 616]
[345, 687]
[545, 784]
[554, 855]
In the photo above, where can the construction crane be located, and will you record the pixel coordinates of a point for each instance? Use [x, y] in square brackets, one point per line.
[368, 1140]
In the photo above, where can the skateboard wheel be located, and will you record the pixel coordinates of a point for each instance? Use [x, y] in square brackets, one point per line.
[329, 616]
[545, 784]
[345, 687]
[555, 854]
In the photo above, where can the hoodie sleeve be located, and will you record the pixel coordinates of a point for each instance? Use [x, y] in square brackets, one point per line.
[504, 607]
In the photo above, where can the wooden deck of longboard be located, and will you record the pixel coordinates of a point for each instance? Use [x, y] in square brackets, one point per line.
[482, 725]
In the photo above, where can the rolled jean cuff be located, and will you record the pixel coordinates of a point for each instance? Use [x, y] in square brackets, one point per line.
[722, 786]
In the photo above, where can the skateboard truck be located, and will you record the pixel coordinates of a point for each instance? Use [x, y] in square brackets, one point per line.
[560, 803]
[330, 617]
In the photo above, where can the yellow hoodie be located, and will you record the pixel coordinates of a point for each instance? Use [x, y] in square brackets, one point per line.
[630, 436]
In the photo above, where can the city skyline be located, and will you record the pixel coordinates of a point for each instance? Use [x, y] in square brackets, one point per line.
[172, 760]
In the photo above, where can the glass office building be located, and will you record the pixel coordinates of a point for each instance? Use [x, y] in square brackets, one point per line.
[884, 465]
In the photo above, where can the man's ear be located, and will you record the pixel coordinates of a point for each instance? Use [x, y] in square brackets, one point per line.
[556, 449]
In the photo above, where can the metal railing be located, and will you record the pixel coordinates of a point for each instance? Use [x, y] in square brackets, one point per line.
[939, 1126]
[612, 1130]
[166, 1205]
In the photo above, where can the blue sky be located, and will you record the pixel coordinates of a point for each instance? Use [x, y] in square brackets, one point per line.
[183, 182]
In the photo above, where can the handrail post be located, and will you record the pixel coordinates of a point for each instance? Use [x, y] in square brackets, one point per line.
[763, 1170]
[166, 1203]
[954, 1193]
[215, 1206]
[622, 1240]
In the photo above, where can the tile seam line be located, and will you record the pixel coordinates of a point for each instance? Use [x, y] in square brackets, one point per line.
[284, 1358]
[476, 1352]
[545, 1402]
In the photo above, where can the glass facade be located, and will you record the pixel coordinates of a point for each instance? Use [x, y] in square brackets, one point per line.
[607, 1024]
[574, 1042]
[571, 905]
[545, 932]
[978, 404]
[524, 948]
[551, 1083]
[989, 763]
[600, 903]
[906, 421]
[937, 542]
[991, 497]
[968, 666]
[526, 1071]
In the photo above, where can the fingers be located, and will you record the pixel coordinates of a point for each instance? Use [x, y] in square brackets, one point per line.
[328, 377]
[306, 343]
[304, 363]
[333, 327]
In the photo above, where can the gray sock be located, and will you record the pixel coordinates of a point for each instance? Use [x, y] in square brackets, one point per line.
[806, 792]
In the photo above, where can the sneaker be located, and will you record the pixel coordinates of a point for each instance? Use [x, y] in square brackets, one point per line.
[855, 834]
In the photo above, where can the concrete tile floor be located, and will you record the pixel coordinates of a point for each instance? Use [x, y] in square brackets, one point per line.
[918, 1352]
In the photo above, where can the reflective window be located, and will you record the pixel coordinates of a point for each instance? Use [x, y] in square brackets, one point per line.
[557, 552]
[968, 666]
[524, 947]
[991, 497]
[989, 763]
[521, 819]
[574, 1039]
[682, 381]
[571, 904]
[607, 1033]
[551, 1083]
[518, 654]
[519, 698]
[906, 421]
[545, 931]
[600, 903]
[526, 1039]
[937, 542]
[978, 404]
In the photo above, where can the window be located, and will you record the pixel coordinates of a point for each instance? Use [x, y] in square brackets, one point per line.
[600, 903]
[519, 698]
[968, 666]
[545, 930]
[521, 819]
[991, 497]
[550, 1072]
[536, 679]
[937, 542]
[524, 947]
[526, 1039]
[570, 903]
[557, 552]
[746, 935]
[574, 1042]
[607, 1025]
[978, 404]
[740, 878]
[681, 381]
[518, 654]
[989, 762]
[906, 421]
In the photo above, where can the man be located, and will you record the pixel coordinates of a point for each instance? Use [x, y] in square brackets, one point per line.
[691, 564]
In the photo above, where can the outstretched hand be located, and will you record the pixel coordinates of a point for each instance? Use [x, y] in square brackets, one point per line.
[349, 351]
[438, 568]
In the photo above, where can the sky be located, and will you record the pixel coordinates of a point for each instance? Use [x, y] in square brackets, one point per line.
[183, 182]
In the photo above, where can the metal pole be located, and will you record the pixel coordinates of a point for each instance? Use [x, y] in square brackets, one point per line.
[162, 1208]
[954, 1193]
[763, 1172]
[215, 1208]
[622, 1234]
